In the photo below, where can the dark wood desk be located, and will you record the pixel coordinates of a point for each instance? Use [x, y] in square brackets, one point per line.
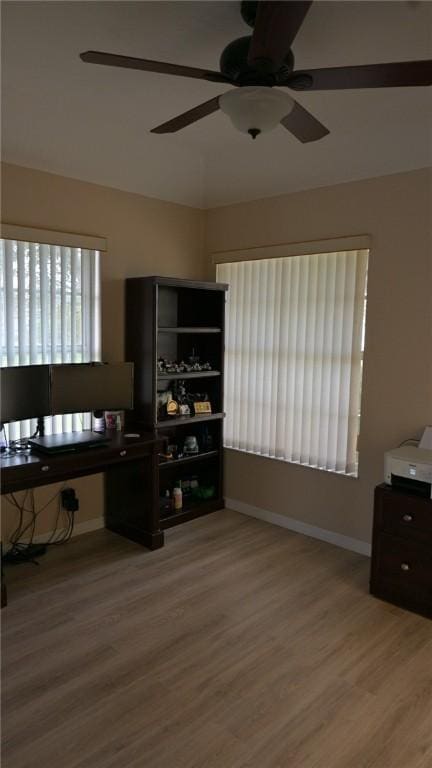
[130, 466]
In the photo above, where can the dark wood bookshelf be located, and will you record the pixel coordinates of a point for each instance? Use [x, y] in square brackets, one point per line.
[176, 421]
[193, 510]
[176, 320]
[189, 375]
[166, 463]
[189, 330]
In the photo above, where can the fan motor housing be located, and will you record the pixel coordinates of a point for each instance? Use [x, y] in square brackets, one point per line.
[248, 10]
[234, 64]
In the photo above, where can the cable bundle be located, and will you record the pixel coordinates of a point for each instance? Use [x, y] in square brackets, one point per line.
[24, 551]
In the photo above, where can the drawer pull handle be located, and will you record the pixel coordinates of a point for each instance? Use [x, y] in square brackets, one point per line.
[407, 518]
[45, 468]
[123, 453]
[405, 567]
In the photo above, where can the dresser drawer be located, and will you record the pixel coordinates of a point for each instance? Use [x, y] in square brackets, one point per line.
[404, 515]
[403, 566]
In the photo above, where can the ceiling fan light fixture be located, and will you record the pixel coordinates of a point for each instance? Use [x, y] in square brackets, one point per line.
[255, 109]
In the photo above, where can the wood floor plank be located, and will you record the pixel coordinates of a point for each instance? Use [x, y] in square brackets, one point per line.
[237, 645]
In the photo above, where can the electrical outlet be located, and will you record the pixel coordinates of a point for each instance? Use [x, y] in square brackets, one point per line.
[69, 500]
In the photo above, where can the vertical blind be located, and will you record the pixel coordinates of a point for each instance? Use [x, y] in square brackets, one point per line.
[293, 357]
[49, 313]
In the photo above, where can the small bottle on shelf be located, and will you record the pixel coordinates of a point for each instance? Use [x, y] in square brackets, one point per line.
[177, 499]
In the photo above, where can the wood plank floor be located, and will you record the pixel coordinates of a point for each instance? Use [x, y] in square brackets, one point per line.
[238, 645]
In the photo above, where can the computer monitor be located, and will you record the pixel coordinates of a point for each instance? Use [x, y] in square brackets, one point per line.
[91, 387]
[24, 392]
[34, 391]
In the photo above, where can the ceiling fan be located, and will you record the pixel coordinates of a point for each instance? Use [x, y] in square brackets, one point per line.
[258, 62]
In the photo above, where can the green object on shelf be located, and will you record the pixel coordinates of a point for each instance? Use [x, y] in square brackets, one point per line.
[204, 492]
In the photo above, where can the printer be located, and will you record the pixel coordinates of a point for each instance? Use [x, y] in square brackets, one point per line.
[410, 467]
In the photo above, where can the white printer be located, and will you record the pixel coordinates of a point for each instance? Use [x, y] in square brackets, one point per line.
[410, 466]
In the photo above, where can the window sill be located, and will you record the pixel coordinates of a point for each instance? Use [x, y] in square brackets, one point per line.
[339, 473]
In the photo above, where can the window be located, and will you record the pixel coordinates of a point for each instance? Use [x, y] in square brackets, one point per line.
[294, 329]
[50, 313]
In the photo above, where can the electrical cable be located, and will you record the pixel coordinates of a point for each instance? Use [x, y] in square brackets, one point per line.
[21, 517]
[409, 440]
[20, 551]
[66, 533]
[21, 529]
[31, 523]
[11, 498]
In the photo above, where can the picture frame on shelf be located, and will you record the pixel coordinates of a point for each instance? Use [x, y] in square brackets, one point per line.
[202, 407]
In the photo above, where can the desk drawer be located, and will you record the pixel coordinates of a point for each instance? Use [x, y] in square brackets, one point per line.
[402, 514]
[126, 452]
[404, 566]
[26, 475]
[43, 470]
[408, 523]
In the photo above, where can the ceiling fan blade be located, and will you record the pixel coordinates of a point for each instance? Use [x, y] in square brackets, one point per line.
[394, 75]
[186, 118]
[147, 65]
[304, 126]
[276, 26]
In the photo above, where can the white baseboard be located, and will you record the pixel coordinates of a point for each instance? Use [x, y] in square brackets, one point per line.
[85, 527]
[331, 537]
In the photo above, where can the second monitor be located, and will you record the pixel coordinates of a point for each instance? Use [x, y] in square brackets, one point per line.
[91, 387]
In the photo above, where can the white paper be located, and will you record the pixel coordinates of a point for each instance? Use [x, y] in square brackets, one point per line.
[426, 441]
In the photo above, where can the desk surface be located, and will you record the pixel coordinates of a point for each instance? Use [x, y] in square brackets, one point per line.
[29, 469]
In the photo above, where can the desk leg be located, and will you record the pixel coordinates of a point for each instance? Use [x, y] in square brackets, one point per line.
[132, 501]
[3, 583]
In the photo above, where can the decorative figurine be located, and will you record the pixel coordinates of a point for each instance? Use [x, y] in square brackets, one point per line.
[193, 365]
[172, 408]
[190, 446]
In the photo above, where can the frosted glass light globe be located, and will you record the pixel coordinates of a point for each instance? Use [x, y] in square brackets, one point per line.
[255, 109]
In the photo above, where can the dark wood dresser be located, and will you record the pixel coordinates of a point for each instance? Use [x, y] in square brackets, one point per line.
[401, 569]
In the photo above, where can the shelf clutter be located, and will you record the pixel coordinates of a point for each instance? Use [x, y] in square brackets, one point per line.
[167, 462]
[175, 337]
[165, 421]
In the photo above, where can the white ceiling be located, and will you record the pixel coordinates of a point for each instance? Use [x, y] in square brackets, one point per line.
[92, 123]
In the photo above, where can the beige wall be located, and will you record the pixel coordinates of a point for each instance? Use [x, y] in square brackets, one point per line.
[148, 236]
[145, 237]
[397, 385]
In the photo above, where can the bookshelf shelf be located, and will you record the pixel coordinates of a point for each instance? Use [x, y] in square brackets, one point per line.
[189, 375]
[197, 329]
[164, 464]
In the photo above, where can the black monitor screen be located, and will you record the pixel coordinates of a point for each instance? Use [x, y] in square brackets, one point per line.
[91, 387]
[25, 391]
